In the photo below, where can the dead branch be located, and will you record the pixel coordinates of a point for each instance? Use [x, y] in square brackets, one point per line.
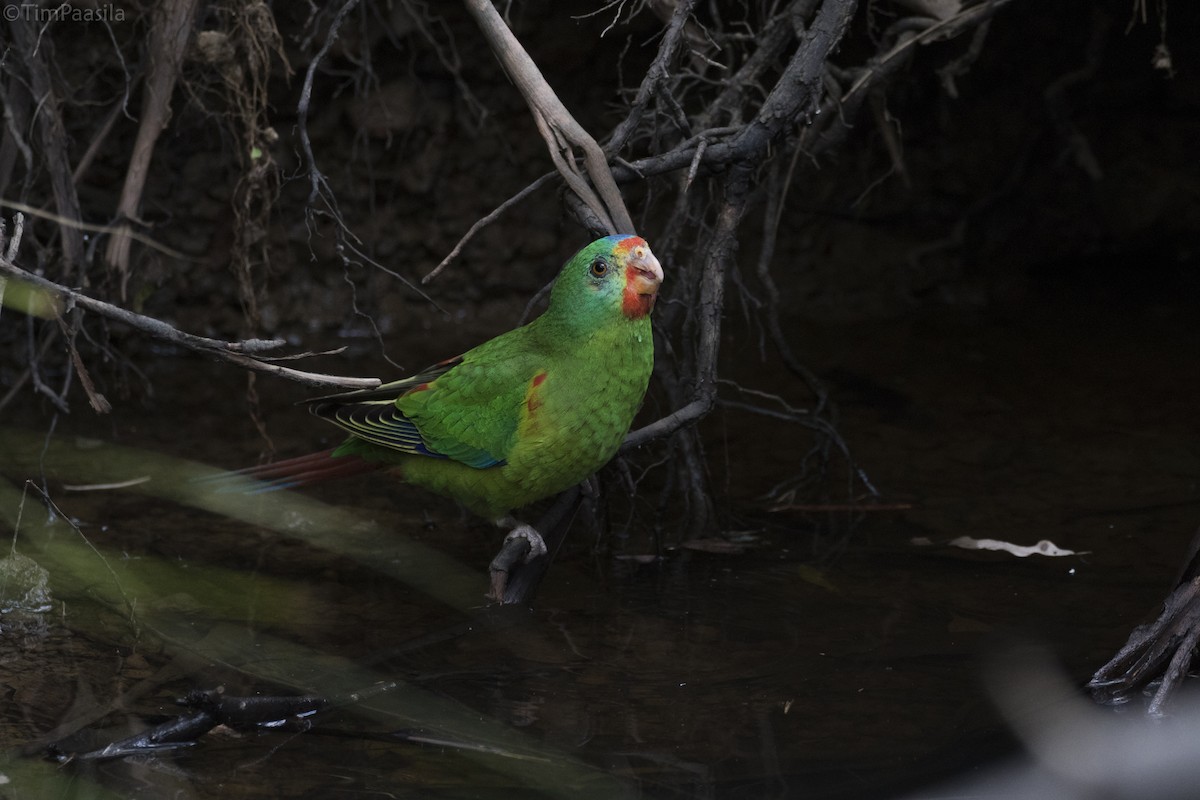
[102, 131]
[665, 426]
[777, 34]
[75, 224]
[797, 90]
[169, 35]
[830, 120]
[1164, 648]
[243, 353]
[656, 76]
[316, 178]
[560, 130]
[15, 101]
[10, 244]
[53, 136]
[349, 244]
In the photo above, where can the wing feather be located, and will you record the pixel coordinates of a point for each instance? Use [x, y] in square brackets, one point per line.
[466, 408]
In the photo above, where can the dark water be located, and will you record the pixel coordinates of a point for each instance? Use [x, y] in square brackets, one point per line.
[767, 673]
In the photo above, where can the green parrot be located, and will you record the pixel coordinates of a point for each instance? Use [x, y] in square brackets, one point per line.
[521, 417]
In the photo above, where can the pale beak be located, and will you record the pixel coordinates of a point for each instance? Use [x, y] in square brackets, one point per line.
[648, 273]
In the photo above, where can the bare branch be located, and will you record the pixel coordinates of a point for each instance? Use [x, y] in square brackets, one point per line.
[87, 226]
[558, 127]
[482, 223]
[656, 75]
[53, 137]
[236, 352]
[315, 178]
[800, 82]
[169, 35]
[665, 426]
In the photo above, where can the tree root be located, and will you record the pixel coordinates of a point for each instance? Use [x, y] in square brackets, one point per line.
[1162, 649]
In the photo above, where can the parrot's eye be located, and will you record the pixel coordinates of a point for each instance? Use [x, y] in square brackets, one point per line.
[599, 268]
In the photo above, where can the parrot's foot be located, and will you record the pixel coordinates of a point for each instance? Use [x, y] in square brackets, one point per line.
[537, 545]
[522, 545]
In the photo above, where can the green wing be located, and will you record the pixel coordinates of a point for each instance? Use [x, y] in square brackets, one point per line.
[466, 409]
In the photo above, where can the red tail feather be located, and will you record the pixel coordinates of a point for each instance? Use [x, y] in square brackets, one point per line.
[303, 470]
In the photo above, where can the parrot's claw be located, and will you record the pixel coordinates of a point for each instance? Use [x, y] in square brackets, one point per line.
[537, 545]
[522, 545]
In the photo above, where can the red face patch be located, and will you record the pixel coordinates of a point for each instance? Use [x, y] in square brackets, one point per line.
[630, 242]
[639, 295]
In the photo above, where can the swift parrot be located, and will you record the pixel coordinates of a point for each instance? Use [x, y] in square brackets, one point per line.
[519, 418]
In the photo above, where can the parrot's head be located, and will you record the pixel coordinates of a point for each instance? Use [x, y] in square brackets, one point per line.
[616, 272]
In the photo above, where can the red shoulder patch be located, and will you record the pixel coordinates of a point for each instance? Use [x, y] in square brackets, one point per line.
[532, 401]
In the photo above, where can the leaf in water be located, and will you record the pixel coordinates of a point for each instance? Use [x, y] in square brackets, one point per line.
[1045, 547]
[810, 574]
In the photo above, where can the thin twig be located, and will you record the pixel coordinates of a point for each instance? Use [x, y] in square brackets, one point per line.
[87, 226]
[315, 178]
[656, 75]
[483, 222]
[106, 126]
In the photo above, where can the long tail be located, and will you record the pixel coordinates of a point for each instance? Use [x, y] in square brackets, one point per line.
[291, 473]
